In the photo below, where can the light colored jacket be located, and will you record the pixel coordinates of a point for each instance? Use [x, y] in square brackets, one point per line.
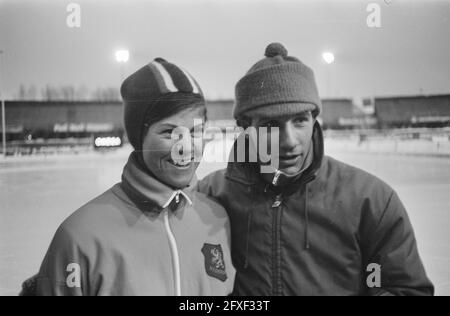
[141, 238]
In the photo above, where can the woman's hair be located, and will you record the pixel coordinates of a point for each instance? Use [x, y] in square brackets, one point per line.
[171, 105]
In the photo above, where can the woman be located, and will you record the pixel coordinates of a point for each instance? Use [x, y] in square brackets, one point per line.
[151, 234]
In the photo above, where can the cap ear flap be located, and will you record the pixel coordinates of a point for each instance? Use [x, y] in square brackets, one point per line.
[244, 122]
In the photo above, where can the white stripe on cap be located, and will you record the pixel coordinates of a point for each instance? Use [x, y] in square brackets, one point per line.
[195, 88]
[166, 77]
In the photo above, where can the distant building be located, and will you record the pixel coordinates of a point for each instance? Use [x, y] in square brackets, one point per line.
[336, 114]
[53, 119]
[413, 111]
[27, 120]
[343, 114]
[220, 113]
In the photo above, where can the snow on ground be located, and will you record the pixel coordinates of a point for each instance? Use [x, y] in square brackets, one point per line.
[38, 193]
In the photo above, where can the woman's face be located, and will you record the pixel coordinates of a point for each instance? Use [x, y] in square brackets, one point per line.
[173, 147]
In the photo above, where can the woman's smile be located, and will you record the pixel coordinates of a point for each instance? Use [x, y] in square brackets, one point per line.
[181, 164]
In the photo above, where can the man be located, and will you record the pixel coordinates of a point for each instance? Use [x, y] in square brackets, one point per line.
[313, 226]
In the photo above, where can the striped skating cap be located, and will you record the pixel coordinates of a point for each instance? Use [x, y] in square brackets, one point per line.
[156, 81]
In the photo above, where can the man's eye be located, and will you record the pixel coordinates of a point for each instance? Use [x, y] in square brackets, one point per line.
[300, 120]
[270, 124]
[197, 134]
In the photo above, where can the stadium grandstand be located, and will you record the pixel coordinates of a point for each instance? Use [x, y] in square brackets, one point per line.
[413, 111]
[36, 124]
[344, 114]
[25, 120]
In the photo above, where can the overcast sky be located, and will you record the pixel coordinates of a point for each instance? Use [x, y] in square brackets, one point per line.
[219, 40]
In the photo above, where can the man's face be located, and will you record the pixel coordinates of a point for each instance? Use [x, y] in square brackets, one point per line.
[294, 138]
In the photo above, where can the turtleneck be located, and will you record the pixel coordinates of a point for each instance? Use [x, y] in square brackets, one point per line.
[148, 192]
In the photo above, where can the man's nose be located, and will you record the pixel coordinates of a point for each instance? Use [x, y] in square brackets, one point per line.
[288, 141]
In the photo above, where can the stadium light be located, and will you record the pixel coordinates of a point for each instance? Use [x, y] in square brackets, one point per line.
[3, 107]
[122, 56]
[328, 57]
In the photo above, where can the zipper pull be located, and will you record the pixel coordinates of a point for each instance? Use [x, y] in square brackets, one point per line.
[177, 198]
[278, 201]
[275, 178]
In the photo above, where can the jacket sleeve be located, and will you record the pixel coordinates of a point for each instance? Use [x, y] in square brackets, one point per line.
[205, 185]
[212, 184]
[64, 269]
[392, 245]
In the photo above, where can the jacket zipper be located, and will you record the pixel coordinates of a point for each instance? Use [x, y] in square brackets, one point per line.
[276, 248]
[174, 253]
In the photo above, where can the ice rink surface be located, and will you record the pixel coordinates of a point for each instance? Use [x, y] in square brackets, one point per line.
[37, 194]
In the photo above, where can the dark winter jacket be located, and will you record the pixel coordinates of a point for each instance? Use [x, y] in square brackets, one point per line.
[329, 233]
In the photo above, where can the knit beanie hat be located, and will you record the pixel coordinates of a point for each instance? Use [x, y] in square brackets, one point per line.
[159, 85]
[277, 85]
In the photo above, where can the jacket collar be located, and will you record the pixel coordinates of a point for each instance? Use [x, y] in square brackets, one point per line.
[148, 193]
[248, 173]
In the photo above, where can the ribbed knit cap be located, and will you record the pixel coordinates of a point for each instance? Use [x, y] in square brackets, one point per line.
[277, 85]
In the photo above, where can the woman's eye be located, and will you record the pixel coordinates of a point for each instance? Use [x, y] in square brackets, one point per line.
[167, 133]
[197, 132]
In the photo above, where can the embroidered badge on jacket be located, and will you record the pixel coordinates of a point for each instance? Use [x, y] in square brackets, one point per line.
[214, 261]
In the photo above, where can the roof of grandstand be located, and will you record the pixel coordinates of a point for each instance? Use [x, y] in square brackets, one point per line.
[412, 108]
